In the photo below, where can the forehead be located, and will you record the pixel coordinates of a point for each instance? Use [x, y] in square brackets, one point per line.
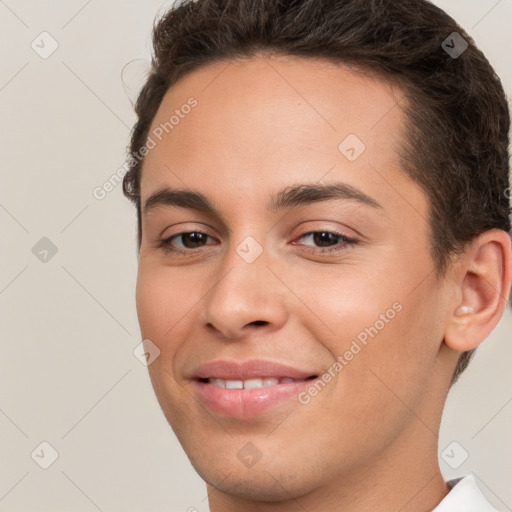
[271, 121]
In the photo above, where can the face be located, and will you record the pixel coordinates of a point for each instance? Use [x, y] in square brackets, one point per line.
[317, 307]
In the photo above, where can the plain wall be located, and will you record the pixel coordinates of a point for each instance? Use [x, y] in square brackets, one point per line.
[69, 327]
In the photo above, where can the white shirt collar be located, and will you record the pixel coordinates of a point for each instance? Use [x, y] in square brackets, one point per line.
[465, 496]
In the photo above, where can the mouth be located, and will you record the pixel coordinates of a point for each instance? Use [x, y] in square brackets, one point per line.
[256, 383]
[248, 389]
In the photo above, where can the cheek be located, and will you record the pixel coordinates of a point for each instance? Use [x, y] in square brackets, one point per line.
[342, 304]
[372, 320]
[396, 366]
[166, 300]
[151, 302]
[161, 302]
[160, 307]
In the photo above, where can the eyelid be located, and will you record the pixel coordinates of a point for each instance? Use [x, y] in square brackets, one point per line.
[305, 231]
[321, 226]
[184, 227]
[332, 231]
[185, 232]
[344, 243]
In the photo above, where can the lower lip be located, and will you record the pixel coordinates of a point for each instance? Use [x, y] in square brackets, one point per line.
[247, 403]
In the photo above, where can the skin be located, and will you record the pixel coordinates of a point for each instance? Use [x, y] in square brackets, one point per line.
[368, 440]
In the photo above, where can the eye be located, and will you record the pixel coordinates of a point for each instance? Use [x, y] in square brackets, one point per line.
[328, 242]
[190, 240]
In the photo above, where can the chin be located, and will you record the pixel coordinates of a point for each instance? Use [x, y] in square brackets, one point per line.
[256, 485]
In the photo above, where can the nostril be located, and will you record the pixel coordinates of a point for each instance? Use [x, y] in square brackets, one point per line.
[259, 322]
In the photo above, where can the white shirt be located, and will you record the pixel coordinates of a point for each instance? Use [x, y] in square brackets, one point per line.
[464, 496]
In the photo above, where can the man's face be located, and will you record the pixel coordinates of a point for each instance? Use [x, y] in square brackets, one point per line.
[282, 285]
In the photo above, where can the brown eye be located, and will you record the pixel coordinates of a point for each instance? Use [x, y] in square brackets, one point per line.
[327, 241]
[190, 240]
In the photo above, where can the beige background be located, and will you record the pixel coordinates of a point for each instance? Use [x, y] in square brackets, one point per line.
[68, 373]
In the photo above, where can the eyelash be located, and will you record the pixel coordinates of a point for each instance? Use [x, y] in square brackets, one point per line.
[345, 242]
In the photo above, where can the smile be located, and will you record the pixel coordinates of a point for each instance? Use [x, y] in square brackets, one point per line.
[251, 383]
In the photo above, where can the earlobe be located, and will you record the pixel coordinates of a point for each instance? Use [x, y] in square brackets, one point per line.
[484, 281]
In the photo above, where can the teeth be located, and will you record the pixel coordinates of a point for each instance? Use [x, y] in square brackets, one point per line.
[250, 383]
[253, 383]
[221, 383]
[234, 384]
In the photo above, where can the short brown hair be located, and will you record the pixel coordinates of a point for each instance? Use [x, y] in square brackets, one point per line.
[457, 143]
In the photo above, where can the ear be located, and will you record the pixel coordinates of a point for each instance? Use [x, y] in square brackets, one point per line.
[484, 276]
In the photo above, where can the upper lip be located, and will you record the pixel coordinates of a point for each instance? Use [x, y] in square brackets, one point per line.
[251, 369]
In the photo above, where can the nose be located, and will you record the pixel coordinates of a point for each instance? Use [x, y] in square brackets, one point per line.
[246, 296]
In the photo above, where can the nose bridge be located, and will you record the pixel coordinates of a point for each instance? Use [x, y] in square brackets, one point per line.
[246, 291]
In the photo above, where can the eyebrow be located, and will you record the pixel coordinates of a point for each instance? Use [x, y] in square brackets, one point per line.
[292, 196]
